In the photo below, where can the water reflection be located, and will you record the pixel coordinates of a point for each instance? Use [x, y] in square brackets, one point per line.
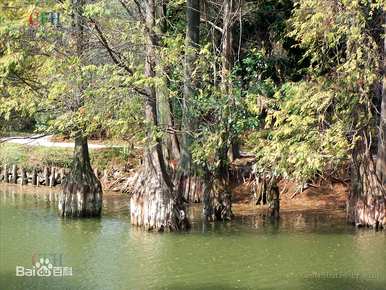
[303, 250]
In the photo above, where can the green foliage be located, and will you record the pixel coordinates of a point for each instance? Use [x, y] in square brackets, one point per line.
[301, 87]
[310, 126]
[299, 140]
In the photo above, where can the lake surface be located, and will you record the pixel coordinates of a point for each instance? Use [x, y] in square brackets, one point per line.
[303, 251]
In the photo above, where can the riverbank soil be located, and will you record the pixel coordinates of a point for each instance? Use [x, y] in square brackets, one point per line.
[326, 196]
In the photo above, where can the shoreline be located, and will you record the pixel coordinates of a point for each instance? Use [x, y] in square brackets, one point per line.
[239, 208]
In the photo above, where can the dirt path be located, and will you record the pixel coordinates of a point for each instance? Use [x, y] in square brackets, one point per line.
[45, 141]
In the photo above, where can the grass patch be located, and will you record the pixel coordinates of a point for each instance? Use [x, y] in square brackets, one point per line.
[35, 156]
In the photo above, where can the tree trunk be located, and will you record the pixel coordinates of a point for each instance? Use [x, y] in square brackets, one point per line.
[381, 157]
[187, 180]
[154, 204]
[217, 200]
[366, 203]
[227, 64]
[217, 197]
[267, 193]
[234, 150]
[166, 121]
[82, 191]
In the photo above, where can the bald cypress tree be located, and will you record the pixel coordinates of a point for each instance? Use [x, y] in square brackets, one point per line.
[82, 191]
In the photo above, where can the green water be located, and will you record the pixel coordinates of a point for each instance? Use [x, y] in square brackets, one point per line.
[304, 251]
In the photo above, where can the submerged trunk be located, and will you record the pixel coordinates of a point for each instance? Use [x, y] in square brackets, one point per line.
[366, 204]
[82, 191]
[217, 200]
[154, 204]
[187, 180]
[217, 194]
[267, 193]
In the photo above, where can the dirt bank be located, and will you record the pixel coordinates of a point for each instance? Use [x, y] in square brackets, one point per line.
[326, 196]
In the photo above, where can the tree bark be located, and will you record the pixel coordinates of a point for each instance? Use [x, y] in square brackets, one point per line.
[165, 113]
[366, 203]
[154, 204]
[381, 157]
[82, 191]
[187, 180]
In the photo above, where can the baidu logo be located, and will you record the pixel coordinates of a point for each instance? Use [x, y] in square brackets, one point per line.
[43, 268]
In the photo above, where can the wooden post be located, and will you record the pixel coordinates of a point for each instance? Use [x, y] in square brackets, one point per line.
[6, 175]
[61, 175]
[52, 177]
[46, 176]
[24, 179]
[34, 177]
[14, 174]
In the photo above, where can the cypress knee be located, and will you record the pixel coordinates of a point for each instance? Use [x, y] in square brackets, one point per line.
[6, 174]
[24, 179]
[14, 174]
[46, 176]
[34, 177]
[52, 177]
